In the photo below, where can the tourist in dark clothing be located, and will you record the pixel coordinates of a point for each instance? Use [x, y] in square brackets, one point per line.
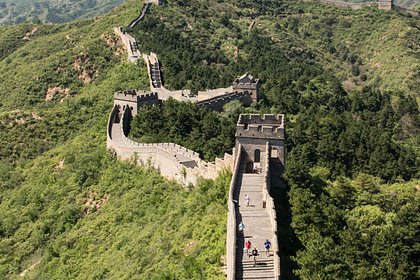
[254, 255]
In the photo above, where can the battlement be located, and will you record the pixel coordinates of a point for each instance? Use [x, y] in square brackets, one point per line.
[266, 126]
[129, 95]
[135, 95]
[134, 99]
[276, 120]
[147, 96]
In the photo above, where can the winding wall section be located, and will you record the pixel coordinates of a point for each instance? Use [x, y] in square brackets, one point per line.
[171, 160]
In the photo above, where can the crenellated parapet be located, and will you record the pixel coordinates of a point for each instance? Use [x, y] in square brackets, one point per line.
[134, 99]
[260, 126]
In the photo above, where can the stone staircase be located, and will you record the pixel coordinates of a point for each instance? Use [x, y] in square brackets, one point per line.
[263, 269]
[257, 228]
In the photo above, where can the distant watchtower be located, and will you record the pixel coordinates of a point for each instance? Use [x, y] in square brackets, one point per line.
[247, 83]
[385, 5]
[155, 2]
[253, 131]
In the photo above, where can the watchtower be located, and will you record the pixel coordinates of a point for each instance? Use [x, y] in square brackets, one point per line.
[385, 5]
[247, 83]
[253, 131]
[156, 2]
[134, 99]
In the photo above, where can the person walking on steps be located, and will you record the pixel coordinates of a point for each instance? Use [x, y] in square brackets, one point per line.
[241, 228]
[254, 255]
[248, 247]
[247, 200]
[267, 245]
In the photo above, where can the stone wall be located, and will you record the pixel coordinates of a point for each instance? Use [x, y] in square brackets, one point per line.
[151, 98]
[171, 160]
[217, 103]
[342, 4]
[142, 14]
[231, 224]
[269, 202]
[385, 5]
[129, 44]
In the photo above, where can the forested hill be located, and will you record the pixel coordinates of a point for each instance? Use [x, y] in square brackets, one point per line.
[52, 11]
[347, 81]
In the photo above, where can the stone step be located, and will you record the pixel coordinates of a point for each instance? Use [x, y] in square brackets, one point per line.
[254, 213]
[255, 274]
[256, 277]
[261, 264]
[257, 228]
[259, 258]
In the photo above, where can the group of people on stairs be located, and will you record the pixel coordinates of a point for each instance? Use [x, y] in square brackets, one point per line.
[254, 251]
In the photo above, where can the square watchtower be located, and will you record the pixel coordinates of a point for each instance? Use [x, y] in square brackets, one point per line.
[385, 5]
[253, 131]
[134, 99]
[249, 84]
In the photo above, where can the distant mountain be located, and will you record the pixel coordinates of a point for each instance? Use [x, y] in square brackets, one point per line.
[52, 11]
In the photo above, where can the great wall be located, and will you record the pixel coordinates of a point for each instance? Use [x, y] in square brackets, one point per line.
[385, 5]
[257, 160]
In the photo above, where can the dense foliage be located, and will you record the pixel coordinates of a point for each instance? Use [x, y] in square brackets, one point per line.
[52, 11]
[198, 129]
[354, 229]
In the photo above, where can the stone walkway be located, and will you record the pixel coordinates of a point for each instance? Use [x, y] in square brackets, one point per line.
[257, 228]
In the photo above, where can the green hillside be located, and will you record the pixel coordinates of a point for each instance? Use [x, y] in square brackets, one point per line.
[52, 11]
[346, 80]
